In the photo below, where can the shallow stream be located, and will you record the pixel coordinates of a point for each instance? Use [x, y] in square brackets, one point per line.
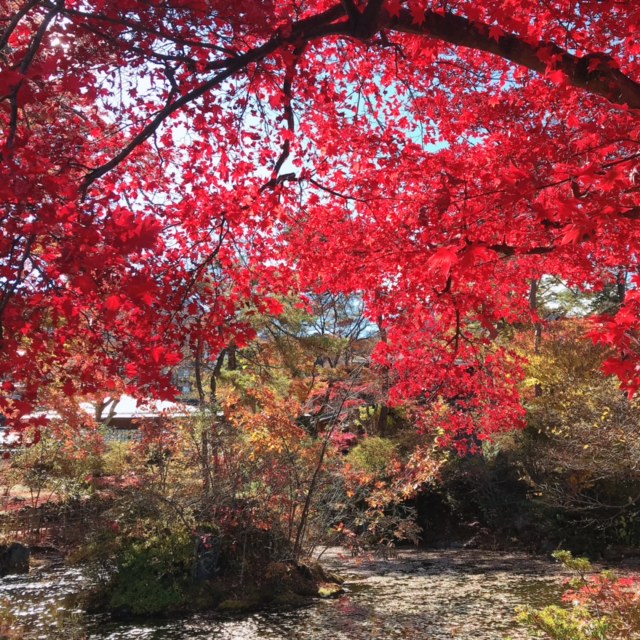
[421, 595]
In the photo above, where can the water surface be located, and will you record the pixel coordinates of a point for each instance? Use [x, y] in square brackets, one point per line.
[422, 595]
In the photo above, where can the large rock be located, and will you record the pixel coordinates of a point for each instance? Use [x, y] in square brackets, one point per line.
[303, 578]
[14, 558]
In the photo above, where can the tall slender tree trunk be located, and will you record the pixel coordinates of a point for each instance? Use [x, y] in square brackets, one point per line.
[383, 413]
[204, 433]
[537, 327]
[621, 286]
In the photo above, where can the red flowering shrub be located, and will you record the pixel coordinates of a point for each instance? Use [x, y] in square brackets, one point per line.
[602, 607]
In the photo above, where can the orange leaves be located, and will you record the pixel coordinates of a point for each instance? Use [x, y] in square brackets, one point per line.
[271, 429]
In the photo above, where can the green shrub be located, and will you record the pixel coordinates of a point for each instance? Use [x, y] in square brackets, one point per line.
[152, 575]
[565, 624]
[372, 455]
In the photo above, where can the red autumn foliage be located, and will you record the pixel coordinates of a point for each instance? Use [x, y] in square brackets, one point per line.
[166, 168]
[607, 594]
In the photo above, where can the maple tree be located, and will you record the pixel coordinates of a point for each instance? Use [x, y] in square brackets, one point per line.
[167, 168]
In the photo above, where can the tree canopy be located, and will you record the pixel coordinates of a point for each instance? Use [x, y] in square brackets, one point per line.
[169, 169]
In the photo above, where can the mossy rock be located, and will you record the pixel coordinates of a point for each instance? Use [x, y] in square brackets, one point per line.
[207, 595]
[289, 599]
[287, 577]
[318, 573]
[305, 579]
[238, 605]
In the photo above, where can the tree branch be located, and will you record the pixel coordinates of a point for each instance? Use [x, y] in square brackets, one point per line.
[235, 65]
[604, 80]
[15, 20]
[288, 109]
[303, 31]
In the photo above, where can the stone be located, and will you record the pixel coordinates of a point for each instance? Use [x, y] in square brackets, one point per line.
[14, 558]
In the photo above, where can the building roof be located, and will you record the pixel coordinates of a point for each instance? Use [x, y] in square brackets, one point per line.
[132, 408]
